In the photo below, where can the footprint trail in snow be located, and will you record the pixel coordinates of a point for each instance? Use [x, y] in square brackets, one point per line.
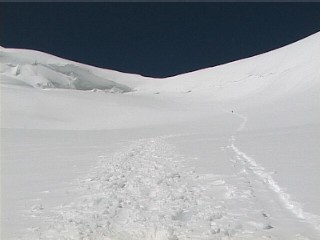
[145, 192]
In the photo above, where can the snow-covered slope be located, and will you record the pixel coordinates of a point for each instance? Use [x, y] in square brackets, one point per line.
[228, 152]
[288, 72]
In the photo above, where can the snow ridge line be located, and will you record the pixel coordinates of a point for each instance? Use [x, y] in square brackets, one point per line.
[266, 177]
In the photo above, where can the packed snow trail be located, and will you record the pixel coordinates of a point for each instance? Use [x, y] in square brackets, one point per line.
[281, 207]
[145, 192]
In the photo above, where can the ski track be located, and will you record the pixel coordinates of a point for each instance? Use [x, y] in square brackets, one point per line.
[144, 192]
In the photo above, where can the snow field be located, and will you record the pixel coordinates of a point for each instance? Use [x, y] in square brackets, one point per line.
[144, 190]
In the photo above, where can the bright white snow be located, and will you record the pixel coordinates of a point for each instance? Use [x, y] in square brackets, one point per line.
[228, 152]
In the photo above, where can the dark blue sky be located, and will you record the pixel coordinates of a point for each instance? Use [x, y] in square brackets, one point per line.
[155, 39]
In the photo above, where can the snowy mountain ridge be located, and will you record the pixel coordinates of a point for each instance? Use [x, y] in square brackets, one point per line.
[42, 70]
[289, 72]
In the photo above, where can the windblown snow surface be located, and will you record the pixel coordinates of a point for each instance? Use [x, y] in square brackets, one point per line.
[229, 152]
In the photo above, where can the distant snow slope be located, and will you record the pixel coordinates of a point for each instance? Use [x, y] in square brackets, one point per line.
[290, 72]
[228, 152]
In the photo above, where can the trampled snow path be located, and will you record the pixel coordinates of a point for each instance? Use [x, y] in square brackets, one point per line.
[145, 192]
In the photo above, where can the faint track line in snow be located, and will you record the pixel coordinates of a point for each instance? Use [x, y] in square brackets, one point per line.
[244, 122]
[266, 177]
